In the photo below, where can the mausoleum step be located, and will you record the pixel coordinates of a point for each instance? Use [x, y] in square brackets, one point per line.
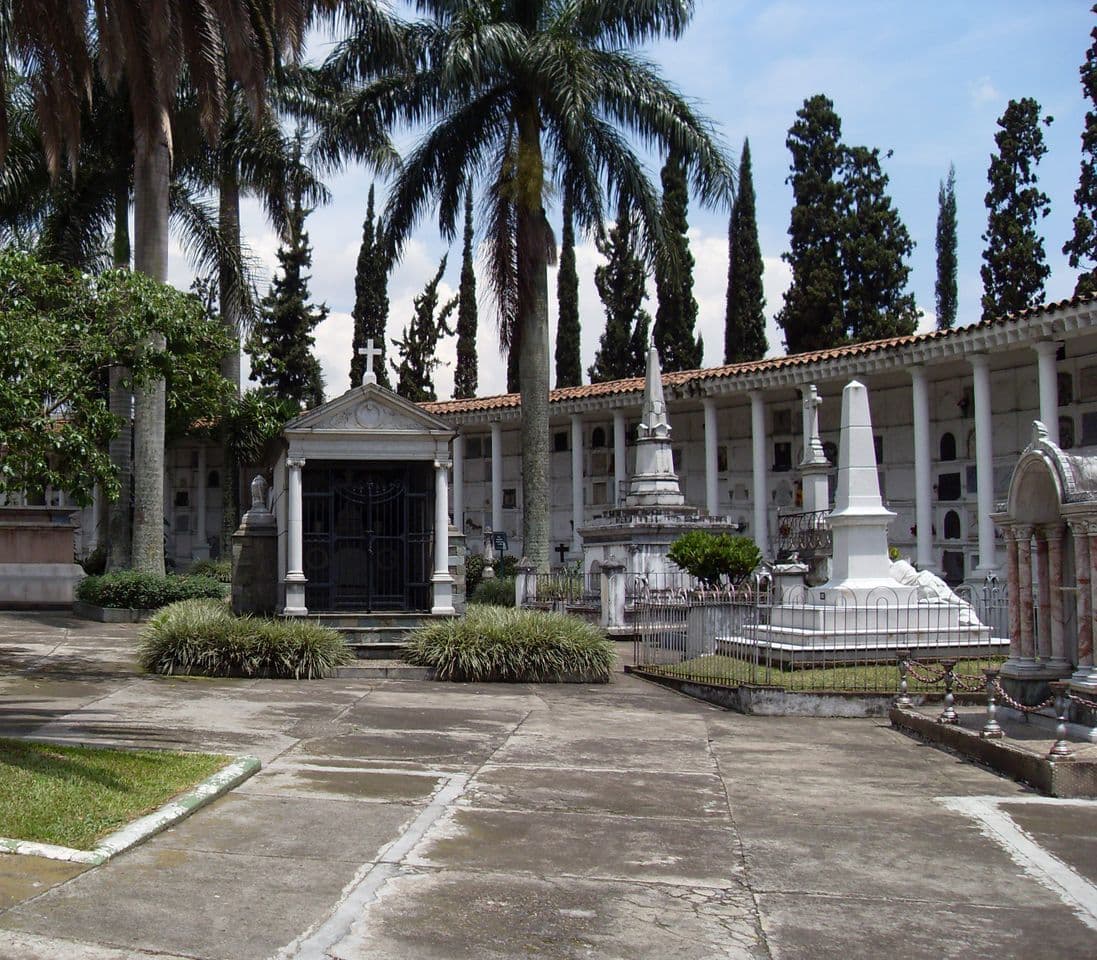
[368, 649]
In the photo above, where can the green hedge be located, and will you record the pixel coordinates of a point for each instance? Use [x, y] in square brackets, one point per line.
[145, 591]
[219, 570]
[497, 644]
[202, 637]
[496, 593]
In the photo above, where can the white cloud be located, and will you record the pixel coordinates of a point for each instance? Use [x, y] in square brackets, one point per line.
[982, 92]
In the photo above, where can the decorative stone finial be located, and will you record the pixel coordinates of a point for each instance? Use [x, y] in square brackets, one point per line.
[259, 495]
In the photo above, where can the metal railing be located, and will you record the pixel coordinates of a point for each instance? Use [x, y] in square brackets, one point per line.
[746, 637]
[805, 533]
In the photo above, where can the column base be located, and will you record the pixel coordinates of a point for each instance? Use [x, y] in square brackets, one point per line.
[1058, 667]
[442, 595]
[1023, 668]
[295, 596]
[1084, 678]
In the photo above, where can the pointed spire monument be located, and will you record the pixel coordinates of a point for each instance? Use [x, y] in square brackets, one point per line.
[655, 483]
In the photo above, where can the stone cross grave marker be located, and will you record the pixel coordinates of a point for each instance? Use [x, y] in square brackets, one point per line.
[369, 352]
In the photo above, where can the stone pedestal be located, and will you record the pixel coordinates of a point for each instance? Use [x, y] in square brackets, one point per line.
[36, 547]
[457, 553]
[255, 558]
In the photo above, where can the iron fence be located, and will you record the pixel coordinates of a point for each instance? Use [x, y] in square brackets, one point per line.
[804, 533]
[835, 643]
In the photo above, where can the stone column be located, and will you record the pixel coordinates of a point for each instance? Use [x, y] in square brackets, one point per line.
[1085, 676]
[1058, 661]
[1082, 580]
[814, 468]
[1043, 598]
[613, 595]
[984, 464]
[1046, 352]
[576, 482]
[496, 475]
[758, 459]
[712, 479]
[1024, 584]
[923, 474]
[442, 579]
[199, 548]
[459, 483]
[295, 548]
[1013, 595]
[620, 458]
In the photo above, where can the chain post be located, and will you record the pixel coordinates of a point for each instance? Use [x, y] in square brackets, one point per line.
[949, 715]
[903, 700]
[1060, 750]
[991, 729]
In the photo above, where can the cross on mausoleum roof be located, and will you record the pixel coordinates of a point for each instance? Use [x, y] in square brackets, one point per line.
[369, 352]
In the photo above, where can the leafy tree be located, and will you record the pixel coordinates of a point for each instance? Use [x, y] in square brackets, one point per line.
[158, 43]
[528, 96]
[715, 558]
[946, 252]
[282, 342]
[745, 323]
[1014, 265]
[620, 283]
[813, 316]
[1081, 248]
[465, 377]
[61, 334]
[569, 371]
[875, 247]
[371, 300]
[418, 348]
[676, 314]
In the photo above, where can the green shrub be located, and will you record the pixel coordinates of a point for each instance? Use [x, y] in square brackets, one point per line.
[219, 570]
[496, 593]
[202, 637]
[474, 572]
[145, 591]
[496, 644]
[714, 558]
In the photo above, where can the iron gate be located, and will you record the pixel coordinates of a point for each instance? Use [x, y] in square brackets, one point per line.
[367, 536]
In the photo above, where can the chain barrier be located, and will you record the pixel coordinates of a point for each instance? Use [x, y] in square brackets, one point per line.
[1020, 706]
[1090, 704]
[969, 687]
[923, 678]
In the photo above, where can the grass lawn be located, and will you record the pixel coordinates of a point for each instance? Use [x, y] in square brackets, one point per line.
[73, 796]
[882, 677]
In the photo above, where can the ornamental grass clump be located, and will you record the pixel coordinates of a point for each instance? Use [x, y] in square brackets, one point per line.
[203, 638]
[495, 593]
[512, 645]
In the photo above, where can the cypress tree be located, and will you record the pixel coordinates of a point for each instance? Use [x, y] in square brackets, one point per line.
[622, 350]
[946, 251]
[569, 372]
[465, 377]
[875, 246]
[371, 301]
[813, 315]
[1081, 249]
[745, 323]
[1014, 265]
[676, 314]
[281, 343]
[418, 347]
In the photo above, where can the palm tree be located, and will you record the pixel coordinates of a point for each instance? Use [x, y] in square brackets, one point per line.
[148, 47]
[526, 97]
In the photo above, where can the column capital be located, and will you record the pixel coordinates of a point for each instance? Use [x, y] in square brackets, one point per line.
[1022, 532]
[978, 361]
[917, 371]
[708, 402]
[1047, 347]
[443, 464]
[1052, 531]
[757, 396]
[1080, 526]
[295, 463]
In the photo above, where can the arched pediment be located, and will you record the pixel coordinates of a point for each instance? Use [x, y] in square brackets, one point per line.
[1045, 479]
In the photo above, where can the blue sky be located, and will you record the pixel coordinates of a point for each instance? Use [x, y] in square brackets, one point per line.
[926, 80]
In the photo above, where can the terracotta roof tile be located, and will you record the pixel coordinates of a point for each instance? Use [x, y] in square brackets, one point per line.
[636, 384]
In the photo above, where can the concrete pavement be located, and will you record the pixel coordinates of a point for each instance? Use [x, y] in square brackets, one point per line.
[398, 819]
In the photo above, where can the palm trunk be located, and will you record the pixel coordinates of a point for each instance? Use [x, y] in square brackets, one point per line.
[152, 170]
[229, 224]
[533, 346]
[119, 528]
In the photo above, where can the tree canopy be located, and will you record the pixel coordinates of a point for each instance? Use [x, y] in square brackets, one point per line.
[946, 252]
[466, 375]
[1081, 248]
[674, 332]
[418, 347]
[745, 321]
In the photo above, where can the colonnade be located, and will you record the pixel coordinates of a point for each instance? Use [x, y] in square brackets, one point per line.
[1038, 599]
[988, 562]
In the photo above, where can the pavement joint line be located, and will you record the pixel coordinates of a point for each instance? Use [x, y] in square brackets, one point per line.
[396, 771]
[601, 814]
[315, 943]
[139, 830]
[1078, 893]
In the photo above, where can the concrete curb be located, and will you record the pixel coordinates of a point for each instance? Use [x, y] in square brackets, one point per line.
[224, 780]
